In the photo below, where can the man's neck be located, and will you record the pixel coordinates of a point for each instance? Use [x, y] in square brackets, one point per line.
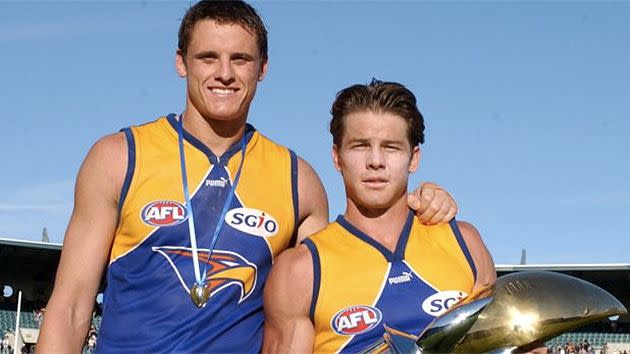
[383, 225]
[217, 135]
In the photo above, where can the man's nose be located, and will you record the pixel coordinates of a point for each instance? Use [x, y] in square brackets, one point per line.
[225, 72]
[375, 159]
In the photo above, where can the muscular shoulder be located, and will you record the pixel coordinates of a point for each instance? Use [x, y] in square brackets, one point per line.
[309, 184]
[294, 263]
[486, 272]
[469, 232]
[312, 201]
[109, 148]
[287, 299]
[106, 163]
[290, 283]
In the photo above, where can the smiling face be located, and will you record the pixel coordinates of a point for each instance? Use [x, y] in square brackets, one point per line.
[222, 66]
[375, 159]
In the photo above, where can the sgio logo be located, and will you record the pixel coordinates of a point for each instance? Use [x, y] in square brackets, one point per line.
[355, 320]
[164, 213]
[252, 221]
[437, 304]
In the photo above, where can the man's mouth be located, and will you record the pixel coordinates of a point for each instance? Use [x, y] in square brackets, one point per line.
[375, 182]
[222, 91]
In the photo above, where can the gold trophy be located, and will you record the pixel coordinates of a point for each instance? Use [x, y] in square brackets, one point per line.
[519, 311]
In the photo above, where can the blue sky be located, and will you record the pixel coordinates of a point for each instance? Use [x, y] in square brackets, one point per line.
[527, 104]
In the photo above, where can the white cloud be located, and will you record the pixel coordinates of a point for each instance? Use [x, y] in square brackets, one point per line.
[32, 31]
[25, 210]
[40, 194]
[77, 28]
[34, 208]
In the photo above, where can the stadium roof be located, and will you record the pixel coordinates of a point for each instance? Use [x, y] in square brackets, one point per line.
[26, 243]
[563, 267]
[38, 260]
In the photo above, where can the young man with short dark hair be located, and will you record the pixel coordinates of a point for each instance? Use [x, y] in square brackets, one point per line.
[376, 264]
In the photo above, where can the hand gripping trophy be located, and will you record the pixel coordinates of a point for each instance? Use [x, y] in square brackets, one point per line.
[519, 310]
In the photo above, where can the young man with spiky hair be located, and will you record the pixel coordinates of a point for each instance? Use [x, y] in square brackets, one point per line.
[376, 264]
[188, 212]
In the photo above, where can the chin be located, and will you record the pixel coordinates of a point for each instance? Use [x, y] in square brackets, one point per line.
[228, 113]
[224, 116]
[378, 200]
[375, 205]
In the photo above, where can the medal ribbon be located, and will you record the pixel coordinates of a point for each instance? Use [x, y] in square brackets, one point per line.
[191, 222]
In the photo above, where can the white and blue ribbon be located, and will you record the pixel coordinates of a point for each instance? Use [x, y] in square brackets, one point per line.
[201, 281]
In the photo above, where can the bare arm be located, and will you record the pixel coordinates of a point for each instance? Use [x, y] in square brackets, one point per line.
[432, 203]
[288, 328]
[313, 213]
[86, 247]
[486, 273]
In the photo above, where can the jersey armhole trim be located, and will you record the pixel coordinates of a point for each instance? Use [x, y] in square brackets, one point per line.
[296, 197]
[131, 165]
[316, 277]
[464, 247]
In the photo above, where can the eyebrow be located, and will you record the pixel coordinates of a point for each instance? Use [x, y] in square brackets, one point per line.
[394, 142]
[386, 142]
[245, 56]
[213, 54]
[357, 140]
[207, 53]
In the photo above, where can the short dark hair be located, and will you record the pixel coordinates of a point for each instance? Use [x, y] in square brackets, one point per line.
[224, 12]
[377, 96]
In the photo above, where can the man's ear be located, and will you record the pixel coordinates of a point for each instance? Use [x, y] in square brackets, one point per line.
[335, 157]
[180, 64]
[415, 159]
[263, 70]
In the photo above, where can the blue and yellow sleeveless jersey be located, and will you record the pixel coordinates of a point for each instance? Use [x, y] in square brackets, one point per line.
[147, 307]
[359, 285]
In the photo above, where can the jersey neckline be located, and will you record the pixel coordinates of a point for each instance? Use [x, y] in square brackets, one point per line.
[214, 159]
[398, 254]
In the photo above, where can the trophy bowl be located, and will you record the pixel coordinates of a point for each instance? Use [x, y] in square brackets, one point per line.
[519, 310]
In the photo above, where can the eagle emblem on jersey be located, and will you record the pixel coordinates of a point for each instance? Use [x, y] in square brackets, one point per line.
[225, 268]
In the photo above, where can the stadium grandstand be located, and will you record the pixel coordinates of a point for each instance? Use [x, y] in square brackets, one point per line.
[29, 267]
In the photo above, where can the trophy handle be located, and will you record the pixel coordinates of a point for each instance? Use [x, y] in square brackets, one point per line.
[394, 342]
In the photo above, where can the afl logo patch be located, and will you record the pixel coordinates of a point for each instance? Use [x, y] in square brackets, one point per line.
[355, 320]
[164, 213]
[252, 221]
[439, 303]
